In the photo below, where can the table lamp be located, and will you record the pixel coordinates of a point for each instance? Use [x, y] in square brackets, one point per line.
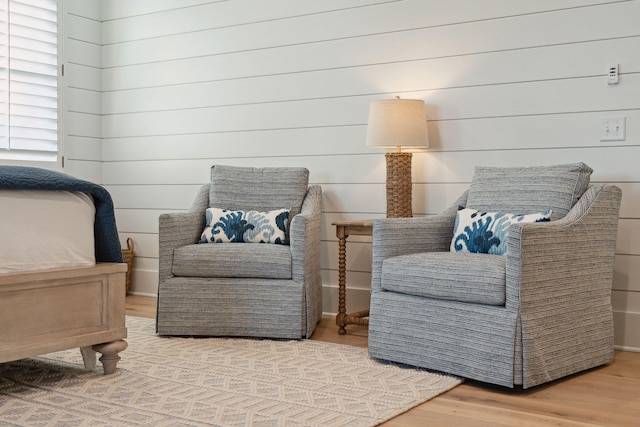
[399, 123]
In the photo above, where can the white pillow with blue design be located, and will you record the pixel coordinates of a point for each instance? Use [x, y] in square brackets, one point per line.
[228, 226]
[486, 232]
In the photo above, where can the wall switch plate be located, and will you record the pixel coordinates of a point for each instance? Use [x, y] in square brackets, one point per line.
[612, 128]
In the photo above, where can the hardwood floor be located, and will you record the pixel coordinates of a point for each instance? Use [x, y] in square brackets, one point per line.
[605, 396]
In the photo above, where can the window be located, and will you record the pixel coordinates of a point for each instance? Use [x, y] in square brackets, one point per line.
[28, 80]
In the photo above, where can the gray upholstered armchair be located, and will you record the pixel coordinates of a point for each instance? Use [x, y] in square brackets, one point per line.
[269, 290]
[540, 311]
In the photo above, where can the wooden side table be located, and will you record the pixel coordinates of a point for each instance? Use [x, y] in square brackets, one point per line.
[343, 230]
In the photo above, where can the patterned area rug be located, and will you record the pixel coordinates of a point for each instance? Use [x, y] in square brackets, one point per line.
[214, 381]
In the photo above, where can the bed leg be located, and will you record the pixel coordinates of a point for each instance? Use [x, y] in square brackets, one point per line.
[110, 356]
[88, 357]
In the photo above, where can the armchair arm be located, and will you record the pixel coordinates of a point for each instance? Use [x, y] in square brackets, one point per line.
[180, 229]
[403, 236]
[304, 233]
[304, 240]
[559, 277]
[577, 249]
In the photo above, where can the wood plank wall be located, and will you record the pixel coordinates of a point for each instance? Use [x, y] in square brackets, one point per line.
[159, 90]
[80, 109]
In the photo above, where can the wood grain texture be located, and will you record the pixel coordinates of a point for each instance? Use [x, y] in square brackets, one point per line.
[59, 309]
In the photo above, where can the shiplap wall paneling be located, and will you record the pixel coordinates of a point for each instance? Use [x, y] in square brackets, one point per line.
[579, 61]
[420, 32]
[326, 141]
[81, 88]
[189, 84]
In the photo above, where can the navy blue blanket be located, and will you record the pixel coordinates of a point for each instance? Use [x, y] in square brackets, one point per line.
[107, 244]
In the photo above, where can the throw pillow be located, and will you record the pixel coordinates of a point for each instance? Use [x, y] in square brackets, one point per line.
[486, 232]
[227, 226]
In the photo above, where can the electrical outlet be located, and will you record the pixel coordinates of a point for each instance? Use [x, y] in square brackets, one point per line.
[612, 128]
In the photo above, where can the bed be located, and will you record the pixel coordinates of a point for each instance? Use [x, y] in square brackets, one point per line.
[62, 279]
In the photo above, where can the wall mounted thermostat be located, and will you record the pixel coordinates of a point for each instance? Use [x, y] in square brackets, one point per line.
[612, 75]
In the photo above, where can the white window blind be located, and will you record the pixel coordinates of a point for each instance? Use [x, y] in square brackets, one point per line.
[28, 80]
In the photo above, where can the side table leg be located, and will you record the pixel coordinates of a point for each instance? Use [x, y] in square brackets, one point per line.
[342, 266]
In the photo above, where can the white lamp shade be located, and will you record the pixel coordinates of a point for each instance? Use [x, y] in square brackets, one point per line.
[397, 123]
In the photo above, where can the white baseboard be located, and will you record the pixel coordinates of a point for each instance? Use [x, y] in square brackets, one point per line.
[627, 348]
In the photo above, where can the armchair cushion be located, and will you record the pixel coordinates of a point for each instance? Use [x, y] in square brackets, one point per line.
[270, 188]
[466, 277]
[225, 226]
[249, 261]
[486, 232]
[528, 189]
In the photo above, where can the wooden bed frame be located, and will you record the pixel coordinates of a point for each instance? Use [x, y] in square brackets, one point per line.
[53, 310]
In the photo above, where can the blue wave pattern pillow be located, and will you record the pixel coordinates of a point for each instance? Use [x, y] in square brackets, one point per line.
[486, 232]
[227, 226]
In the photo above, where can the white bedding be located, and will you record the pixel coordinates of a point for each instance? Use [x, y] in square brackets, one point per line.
[45, 229]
